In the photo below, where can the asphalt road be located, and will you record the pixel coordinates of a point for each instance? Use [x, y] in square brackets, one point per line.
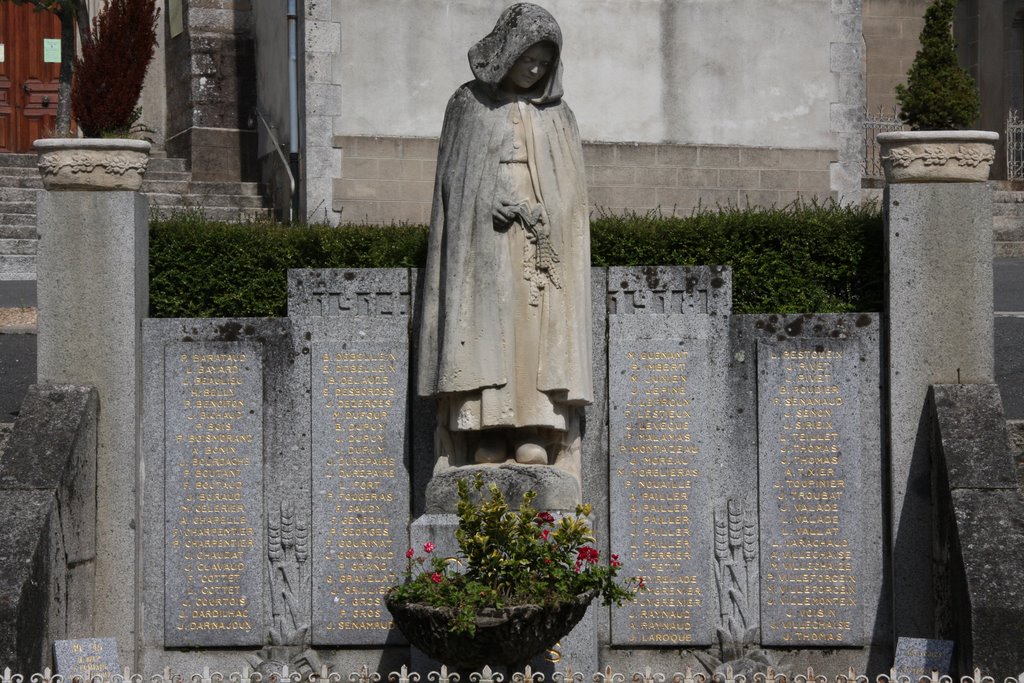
[18, 351]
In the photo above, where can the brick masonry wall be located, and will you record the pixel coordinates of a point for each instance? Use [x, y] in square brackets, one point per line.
[891, 32]
[386, 179]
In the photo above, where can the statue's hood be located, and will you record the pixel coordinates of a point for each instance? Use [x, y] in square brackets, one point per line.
[519, 27]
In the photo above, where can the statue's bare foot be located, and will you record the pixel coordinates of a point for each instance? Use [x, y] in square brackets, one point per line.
[531, 454]
[492, 448]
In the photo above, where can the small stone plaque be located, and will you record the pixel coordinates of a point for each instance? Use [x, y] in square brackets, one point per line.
[918, 657]
[659, 494]
[360, 487]
[215, 548]
[810, 464]
[86, 657]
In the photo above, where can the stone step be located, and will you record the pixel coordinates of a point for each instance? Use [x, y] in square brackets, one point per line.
[18, 232]
[169, 186]
[1007, 197]
[17, 267]
[166, 175]
[167, 165]
[1007, 209]
[1009, 249]
[17, 247]
[17, 194]
[1008, 233]
[202, 200]
[19, 160]
[207, 187]
[22, 207]
[16, 177]
[226, 214]
[20, 219]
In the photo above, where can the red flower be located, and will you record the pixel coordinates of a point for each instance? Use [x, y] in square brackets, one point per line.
[615, 561]
[544, 534]
[435, 577]
[428, 547]
[409, 553]
[587, 554]
[545, 518]
[642, 584]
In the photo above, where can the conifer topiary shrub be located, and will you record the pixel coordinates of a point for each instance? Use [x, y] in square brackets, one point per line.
[109, 75]
[939, 94]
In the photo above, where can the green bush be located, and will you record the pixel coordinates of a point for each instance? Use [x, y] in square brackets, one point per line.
[801, 258]
[939, 94]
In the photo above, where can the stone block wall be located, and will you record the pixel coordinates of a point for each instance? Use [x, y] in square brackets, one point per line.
[891, 30]
[48, 538]
[386, 179]
[211, 76]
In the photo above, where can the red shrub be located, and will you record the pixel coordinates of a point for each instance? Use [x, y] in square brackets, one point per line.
[109, 74]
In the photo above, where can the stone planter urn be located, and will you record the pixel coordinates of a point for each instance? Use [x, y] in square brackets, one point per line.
[92, 163]
[510, 636]
[937, 156]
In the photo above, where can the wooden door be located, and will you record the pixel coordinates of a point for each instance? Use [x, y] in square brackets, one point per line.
[28, 83]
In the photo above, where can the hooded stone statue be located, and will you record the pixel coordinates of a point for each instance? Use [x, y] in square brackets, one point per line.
[505, 331]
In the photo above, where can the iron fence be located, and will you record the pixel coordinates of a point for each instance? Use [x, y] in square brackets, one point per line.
[885, 121]
[1014, 146]
[487, 675]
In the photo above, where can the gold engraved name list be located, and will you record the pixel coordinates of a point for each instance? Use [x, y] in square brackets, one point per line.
[214, 494]
[657, 495]
[359, 517]
[809, 490]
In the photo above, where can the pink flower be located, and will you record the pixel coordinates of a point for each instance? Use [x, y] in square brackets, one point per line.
[428, 547]
[409, 553]
[545, 518]
[435, 577]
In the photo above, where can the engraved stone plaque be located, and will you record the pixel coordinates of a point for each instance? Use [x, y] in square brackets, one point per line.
[360, 487]
[659, 521]
[215, 550]
[917, 657]
[812, 553]
[86, 657]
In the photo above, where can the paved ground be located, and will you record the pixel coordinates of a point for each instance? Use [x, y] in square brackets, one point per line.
[18, 341]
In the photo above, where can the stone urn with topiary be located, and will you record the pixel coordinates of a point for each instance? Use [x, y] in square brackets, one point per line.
[939, 102]
[522, 580]
[108, 79]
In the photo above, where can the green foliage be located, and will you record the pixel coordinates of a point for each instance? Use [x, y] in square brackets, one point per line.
[798, 259]
[511, 557]
[208, 269]
[939, 94]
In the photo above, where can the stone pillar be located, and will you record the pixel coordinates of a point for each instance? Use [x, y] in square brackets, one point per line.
[939, 303]
[93, 291]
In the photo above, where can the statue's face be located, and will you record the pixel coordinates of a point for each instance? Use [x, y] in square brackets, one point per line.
[531, 67]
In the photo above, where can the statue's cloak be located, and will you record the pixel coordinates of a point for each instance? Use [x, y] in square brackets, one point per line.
[467, 326]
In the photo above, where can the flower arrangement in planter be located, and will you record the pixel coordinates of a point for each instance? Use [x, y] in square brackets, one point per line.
[108, 80]
[522, 580]
[938, 101]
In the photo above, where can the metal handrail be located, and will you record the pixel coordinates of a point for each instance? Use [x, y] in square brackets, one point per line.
[284, 160]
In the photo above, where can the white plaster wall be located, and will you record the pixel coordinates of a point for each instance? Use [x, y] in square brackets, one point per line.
[738, 72]
[270, 33]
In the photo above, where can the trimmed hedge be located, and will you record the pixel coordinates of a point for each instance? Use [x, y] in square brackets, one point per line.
[801, 258]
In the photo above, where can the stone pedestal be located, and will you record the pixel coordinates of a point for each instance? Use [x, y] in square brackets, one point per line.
[939, 240]
[93, 291]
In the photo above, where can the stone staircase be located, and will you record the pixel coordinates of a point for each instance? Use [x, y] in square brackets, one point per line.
[1008, 218]
[168, 184]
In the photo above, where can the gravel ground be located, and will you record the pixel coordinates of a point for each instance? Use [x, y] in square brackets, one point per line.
[17, 317]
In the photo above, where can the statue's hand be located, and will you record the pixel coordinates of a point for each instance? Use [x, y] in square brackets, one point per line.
[503, 214]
